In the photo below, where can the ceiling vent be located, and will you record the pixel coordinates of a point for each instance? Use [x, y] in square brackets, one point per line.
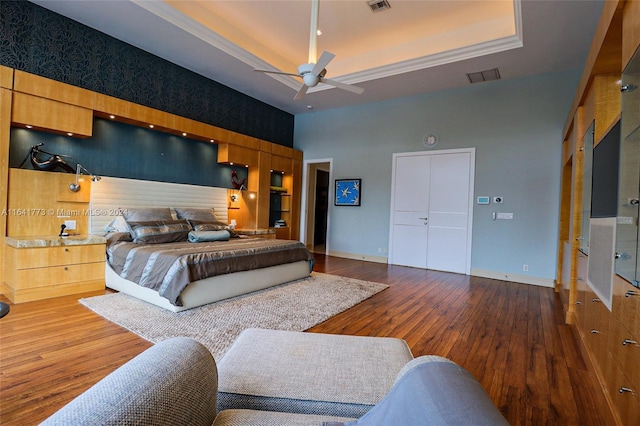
[378, 5]
[481, 76]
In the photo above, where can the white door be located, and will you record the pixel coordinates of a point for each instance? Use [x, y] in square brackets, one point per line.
[431, 210]
[410, 211]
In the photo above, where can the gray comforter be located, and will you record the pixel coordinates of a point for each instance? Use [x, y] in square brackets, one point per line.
[169, 268]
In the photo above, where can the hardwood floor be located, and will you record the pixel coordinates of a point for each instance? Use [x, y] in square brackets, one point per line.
[512, 337]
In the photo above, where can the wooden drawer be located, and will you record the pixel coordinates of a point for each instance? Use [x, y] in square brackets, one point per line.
[625, 350]
[624, 395]
[54, 275]
[626, 304]
[581, 291]
[39, 257]
[597, 328]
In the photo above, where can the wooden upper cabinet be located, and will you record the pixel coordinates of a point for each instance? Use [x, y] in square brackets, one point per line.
[230, 153]
[46, 114]
[281, 164]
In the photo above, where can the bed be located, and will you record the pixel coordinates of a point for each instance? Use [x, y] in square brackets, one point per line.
[143, 233]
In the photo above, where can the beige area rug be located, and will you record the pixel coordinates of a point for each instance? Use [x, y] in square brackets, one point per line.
[297, 305]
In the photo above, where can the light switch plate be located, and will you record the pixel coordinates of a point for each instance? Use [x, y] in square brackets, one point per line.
[70, 224]
[505, 216]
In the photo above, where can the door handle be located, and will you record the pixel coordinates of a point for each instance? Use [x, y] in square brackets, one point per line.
[426, 219]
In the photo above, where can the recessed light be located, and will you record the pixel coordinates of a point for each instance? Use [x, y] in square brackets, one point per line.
[151, 126]
[319, 32]
[29, 126]
[184, 134]
[212, 140]
[69, 134]
[112, 116]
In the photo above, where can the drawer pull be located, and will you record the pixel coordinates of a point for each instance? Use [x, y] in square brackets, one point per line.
[66, 268]
[66, 249]
[631, 293]
[594, 331]
[595, 300]
[578, 303]
[626, 342]
[623, 390]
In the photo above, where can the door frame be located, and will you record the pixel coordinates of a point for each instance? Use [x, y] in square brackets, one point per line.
[472, 173]
[308, 196]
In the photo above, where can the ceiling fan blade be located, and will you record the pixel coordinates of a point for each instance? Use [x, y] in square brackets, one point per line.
[343, 86]
[279, 72]
[301, 92]
[322, 63]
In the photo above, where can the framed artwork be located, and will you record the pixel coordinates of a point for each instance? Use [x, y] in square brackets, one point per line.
[347, 192]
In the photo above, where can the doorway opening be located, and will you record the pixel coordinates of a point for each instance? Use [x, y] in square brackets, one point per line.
[316, 205]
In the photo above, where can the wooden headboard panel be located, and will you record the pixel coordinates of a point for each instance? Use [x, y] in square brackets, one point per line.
[110, 194]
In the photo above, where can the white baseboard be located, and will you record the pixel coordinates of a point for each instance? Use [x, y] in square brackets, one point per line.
[366, 258]
[523, 279]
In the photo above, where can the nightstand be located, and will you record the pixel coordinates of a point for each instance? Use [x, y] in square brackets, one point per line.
[43, 267]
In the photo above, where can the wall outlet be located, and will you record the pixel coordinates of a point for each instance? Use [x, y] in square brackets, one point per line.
[498, 200]
[525, 268]
[70, 224]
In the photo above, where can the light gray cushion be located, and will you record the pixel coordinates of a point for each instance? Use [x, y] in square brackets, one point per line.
[434, 392]
[172, 383]
[309, 373]
[192, 213]
[430, 390]
[272, 418]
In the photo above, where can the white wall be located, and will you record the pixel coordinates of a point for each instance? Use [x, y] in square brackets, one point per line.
[516, 128]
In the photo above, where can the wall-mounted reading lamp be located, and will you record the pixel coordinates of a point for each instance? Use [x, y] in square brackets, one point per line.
[75, 187]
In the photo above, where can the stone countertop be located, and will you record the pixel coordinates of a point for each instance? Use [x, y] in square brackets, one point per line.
[54, 241]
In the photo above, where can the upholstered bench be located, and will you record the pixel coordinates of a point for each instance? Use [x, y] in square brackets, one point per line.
[309, 373]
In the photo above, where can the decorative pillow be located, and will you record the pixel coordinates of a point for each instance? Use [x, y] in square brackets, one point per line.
[192, 213]
[208, 236]
[146, 214]
[201, 226]
[159, 231]
[115, 237]
[118, 224]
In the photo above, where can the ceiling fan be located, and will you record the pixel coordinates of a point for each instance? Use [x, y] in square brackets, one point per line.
[314, 72]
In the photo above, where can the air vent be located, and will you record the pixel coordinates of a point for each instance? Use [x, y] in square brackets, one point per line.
[488, 75]
[378, 5]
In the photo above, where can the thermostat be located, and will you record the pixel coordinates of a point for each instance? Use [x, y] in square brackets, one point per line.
[483, 200]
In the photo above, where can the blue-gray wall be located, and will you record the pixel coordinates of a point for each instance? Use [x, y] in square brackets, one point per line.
[516, 127]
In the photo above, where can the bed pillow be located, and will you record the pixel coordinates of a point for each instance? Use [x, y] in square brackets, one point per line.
[203, 226]
[116, 237]
[146, 214]
[118, 224]
[192, 213]
[159, 231]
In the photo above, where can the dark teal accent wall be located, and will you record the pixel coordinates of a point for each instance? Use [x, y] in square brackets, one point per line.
[122, 150]
[41, 42]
